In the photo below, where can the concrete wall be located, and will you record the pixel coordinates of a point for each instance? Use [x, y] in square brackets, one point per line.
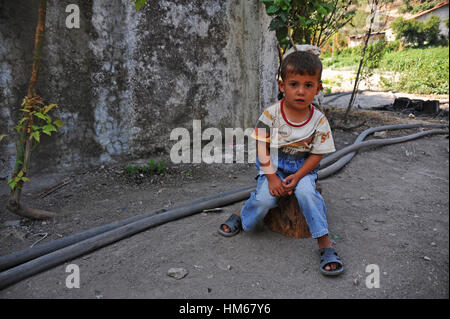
[126, 78]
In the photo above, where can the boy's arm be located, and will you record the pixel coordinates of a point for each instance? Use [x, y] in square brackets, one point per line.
[275, 183]
[311, 162]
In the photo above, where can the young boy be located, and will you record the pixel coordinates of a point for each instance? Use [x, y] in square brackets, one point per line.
[292, 137]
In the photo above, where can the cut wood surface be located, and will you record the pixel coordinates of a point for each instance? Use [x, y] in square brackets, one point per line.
[287, 218]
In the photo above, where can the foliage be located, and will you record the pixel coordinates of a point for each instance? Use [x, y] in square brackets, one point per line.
[307, 21]
[374, 54]
[139, 4]
[417, 32]
[410, 7]
[423, 70]
[34, 122]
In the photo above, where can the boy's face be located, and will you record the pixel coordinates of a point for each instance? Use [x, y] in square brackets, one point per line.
[299, 90]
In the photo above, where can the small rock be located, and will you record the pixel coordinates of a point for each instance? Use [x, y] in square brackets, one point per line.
[433, 244]
[362, 198]
[427, 258]
[411, 116]
[382, 134]
[224, 266]
[209, 290]
[12, 223]
[177, 273]
[356, 281]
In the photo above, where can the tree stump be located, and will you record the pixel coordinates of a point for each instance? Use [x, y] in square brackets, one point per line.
[287, 218]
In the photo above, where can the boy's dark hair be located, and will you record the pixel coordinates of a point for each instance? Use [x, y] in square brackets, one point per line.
[301, 62]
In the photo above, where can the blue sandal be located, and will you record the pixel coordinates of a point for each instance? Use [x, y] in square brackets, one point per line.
[234, 223]
[327, 256]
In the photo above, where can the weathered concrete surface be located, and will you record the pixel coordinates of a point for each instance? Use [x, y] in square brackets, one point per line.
[126, 78]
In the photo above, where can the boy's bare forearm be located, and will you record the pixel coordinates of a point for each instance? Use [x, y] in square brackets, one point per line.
[264, 158]
[311, 162]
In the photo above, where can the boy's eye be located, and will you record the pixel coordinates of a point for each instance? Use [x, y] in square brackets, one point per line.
[309, 85]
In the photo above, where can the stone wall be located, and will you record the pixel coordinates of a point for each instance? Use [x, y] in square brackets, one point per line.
[126, 78]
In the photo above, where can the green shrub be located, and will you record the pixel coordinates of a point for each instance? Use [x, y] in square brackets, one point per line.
[417, 32]
[422, 70]
[151, 168]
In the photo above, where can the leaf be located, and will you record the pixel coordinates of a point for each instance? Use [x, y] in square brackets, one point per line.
[23, 119]
[47, 108]
[20, 174]
[322, 11]
[35, 135]
[139, 4]
[12, 184]
[282, 34]
[49, 128]
[25, 179]
[276, 24]
[2, 136]
[40, 115]
[272, 9]
[58, 123]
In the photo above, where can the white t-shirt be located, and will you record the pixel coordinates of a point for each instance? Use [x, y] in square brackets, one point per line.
[312, 136]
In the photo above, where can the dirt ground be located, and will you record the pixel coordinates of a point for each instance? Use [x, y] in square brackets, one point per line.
[388, 207]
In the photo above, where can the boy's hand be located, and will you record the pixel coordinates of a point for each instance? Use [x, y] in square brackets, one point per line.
[290, 183]
[275, 185]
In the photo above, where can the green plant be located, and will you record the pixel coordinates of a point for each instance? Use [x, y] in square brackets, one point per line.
[150, 168]
[410, 7]
[374, 55]
[161, 168]
[35, 121]
[417, 32]
[306, 21]
[132, 170]
[139, 4]
[422, 70]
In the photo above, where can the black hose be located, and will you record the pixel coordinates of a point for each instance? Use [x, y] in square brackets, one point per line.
[323, 173]
[15, 274]
[27, 254]
[331, 158]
